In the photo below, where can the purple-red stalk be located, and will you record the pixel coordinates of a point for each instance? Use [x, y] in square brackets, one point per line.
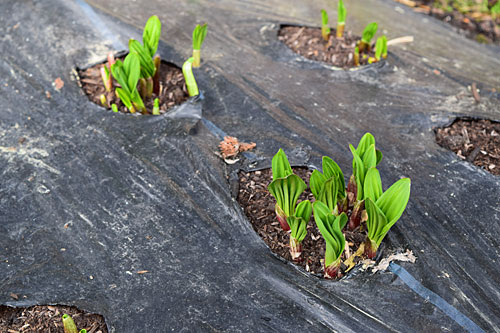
[370, 248]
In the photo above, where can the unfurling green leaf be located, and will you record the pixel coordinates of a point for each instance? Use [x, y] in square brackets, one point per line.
[329, 186]
[187, 71]
[384, 47]
[330, 227]
[373, 184]
[151, 35]
[379, 48]
[384, 211]
[114, 107]
[280, 166]
[199, 34]
[325, 29]
[286, 191]
[147, 65]
[68, 324]
[369, 32]
[298, 222]
[341, 13]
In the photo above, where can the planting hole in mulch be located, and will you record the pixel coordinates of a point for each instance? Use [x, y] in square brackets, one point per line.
[475, 19]
[172, 90]
[258, 205]
[476, 141]
[47, 318]
[309, 43]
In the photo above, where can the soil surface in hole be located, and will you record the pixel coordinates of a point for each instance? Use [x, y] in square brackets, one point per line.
[309, 43]
[477, 141]
[47, 319]
[258, 205]
[473, 19]
[173, 89]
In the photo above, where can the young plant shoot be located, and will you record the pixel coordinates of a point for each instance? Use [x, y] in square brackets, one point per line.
[384, 47]
[146, 51]
[156, 107]
[187, 71]
[383, 209]
[330, 227]
[127, 74]
[329, 186]
[199, 33]
[325, 29]
[365, 157]
[114, 107]
[356, 56]
[379, 49]
[68, 324]
[341, 12]
[107, 80]
[298, 224]
[286, 188]
[368, 33]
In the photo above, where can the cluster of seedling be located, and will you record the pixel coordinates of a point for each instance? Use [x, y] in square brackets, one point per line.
[138, 75]
[337, 207]
[364, 45]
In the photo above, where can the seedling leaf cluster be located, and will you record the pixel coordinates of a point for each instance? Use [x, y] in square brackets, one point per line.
[338, 207]
[364, 46]
[138, 75]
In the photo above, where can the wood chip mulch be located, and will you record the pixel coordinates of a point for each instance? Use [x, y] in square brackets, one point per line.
[173, 89]
[47, 319]
[477, 141]
[309, 43]
[258, 205]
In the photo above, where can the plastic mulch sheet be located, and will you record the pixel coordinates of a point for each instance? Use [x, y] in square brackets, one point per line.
[89, 198]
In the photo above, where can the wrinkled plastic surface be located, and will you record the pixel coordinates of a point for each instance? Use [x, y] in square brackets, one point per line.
[89, 198]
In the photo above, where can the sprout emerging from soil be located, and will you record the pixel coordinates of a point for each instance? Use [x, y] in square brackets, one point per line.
[298, 224]
[341, 11]
[114, 107]
[325, 29]
[384, 47]
[368, 33]
[199, 34]
[68, 324]
[286, 188]
[187, 71]
[365, 157]
[104, 102]
[356, 56]
[329, 186]
[330, 227]
[127, 74]
[384, 209]
[156, 107]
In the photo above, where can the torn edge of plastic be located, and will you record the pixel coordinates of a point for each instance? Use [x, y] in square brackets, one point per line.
[434, 298]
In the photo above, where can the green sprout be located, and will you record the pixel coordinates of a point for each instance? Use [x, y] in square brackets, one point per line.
[298, 225]
[329, 186]
[368, 33]
[383, 209]
[365, 156]
[107, 80]
[114, 107]
[379, 48]
[286, 188]
[199, 34]
[356, 56]
[187, 71]
[330, 227]
[495, 10]
[341, 15]
[104, 102]
[325, 29]
[384, 47]
[69, 325]
[127, 74]
[146, 51]
[156, 107]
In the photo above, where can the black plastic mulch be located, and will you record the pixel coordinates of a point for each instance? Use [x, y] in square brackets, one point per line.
[123, 194]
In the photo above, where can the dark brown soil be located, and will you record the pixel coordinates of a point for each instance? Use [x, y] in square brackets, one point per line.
[47, 319]
[474, 23]
[258, 205]
[309, 43]
[173, 89]
[477, 141]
